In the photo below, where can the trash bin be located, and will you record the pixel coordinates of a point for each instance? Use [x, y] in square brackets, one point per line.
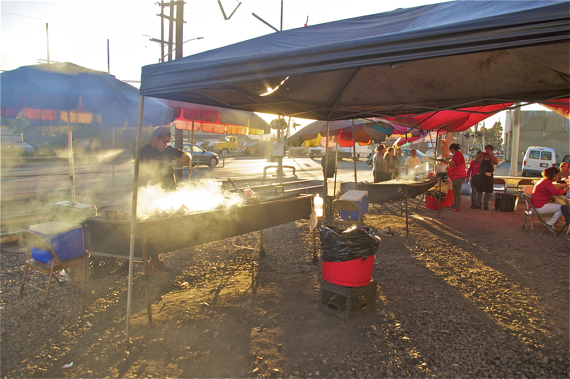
[348, 255]
[505, 202]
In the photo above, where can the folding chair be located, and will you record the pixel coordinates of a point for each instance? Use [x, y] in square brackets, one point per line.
[37, 241]
[347, 206]
[499, 186]
[531, 212]
[522, 184]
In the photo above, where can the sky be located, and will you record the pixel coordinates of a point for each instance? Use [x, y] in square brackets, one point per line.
[79, 29]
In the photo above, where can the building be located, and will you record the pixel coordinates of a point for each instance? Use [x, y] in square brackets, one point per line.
[540, 128]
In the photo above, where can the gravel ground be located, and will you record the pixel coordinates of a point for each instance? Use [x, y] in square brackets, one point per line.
[465, 295]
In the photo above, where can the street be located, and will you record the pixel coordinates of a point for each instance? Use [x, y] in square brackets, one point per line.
[25, 181]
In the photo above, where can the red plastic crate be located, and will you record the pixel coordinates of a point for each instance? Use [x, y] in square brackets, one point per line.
[354, 273]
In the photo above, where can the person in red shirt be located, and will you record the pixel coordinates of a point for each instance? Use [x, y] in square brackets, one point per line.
[456, 173]
[474, 179]
[542, 193]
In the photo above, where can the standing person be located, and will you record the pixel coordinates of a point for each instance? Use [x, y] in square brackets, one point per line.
[475, 179]
[486, 171]
[564, 172]
[399, 156]
[413, 161]
[392, 163]
[157, 159]
[331, 166]
[456, 173]
[543, 191]
[379, 166]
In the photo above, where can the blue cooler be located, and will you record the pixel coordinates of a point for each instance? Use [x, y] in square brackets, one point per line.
[65, 239]
[358, 197]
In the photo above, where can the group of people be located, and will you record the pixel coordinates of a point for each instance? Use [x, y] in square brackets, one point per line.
[480, 177]
[387, 161]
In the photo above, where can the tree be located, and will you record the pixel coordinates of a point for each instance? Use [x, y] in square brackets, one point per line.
[494, 135]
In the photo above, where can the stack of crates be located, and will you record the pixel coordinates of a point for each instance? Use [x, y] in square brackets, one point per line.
[347, 302]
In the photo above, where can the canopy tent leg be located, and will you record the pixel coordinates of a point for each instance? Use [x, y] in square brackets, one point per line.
[336, 165]
[325, 167]
[70, 148]
[114, 156]
[192, 151]
[354, 155]
[134, 212]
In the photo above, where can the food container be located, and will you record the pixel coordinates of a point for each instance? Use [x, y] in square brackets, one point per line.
[360, 198]
[441, 168]
[65, 239]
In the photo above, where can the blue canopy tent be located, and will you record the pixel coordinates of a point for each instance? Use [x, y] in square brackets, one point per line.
[73, 94]
[408, 61]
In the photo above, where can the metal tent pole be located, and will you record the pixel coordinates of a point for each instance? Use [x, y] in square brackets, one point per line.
[336, 163]
[354, 155]
[70, 147]
[325, 167]
[191, 151]
[134, 212]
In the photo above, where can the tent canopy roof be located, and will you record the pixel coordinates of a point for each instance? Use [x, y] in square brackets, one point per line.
[408, 61]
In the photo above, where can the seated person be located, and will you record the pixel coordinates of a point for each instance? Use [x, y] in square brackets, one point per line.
[542, 193]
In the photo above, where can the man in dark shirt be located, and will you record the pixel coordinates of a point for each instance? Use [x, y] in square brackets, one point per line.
[157, 159]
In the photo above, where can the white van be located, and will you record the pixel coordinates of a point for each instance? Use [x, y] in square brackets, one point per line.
[537, 159]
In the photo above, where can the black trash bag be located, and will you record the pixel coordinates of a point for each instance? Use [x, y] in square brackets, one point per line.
[340, 245]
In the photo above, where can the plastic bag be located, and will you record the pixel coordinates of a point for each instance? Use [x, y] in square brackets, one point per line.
[346, 245]
[465, 188]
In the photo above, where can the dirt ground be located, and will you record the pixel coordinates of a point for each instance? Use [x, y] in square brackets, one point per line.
[465, 295]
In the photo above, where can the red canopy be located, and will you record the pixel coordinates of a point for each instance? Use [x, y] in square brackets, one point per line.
[449, 120]
[560, 106]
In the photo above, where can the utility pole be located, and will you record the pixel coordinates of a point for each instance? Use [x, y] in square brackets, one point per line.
[179, 133]
[171, 21]
[47, 40]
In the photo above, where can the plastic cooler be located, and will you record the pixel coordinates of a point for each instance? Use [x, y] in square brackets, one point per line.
[65, 239]
[358, 197]
[354, 273]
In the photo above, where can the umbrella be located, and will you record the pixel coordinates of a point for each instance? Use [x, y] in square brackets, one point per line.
[75, 94]
[216, 120]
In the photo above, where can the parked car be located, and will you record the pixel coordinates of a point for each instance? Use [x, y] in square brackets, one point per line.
[316, 152]
[27, 147]
[201, 156]
[537, 159]
[260, 148]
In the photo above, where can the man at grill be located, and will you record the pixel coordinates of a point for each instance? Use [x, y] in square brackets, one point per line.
[157, 160]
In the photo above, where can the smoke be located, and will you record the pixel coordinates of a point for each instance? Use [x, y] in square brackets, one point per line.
[195, 197]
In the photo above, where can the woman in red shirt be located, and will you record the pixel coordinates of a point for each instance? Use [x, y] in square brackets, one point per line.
[456, 173]
[475, 179]
[543, 191]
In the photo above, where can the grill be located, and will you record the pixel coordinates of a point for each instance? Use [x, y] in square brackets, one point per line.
[386, 192]
[112, 237]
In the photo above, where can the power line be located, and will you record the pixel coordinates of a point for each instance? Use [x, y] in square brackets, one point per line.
[19, 15]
